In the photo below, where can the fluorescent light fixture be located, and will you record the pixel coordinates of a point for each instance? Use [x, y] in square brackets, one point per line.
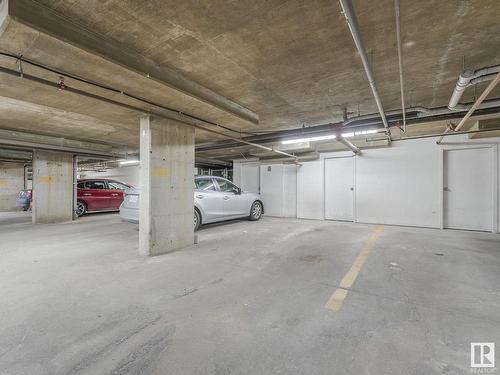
[360, 132]
[308, 139]
[129, 162]
[348, 135]
[330, 136]
[363, 132]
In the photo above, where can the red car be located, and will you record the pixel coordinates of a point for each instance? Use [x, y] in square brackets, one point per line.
[99, 195]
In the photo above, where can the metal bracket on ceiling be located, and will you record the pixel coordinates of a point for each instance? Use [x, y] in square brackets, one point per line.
[20, 65]
[61, 84]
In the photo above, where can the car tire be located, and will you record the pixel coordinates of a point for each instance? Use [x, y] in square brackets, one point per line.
[81, 208]
[256, 211]
[197, 220]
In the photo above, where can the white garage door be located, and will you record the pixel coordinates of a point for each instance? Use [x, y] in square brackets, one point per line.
[339, 188]
[468, 189]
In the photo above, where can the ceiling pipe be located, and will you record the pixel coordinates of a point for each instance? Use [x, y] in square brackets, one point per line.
[349, 145]
[445, 134]
[400, 62]
[415, 115]
[20, 60]
[340, 138]
[352, 22]
[476, 105]
[468, 78]
[376, 116]
[164, 113]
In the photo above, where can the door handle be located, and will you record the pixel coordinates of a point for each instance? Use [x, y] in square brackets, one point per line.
[199, 196]
[114, 195]
[226, 197]
[87, 194]
[446, 189]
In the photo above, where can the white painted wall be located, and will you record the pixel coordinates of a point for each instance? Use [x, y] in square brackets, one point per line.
[250, 177]
[399, 185]
[278, 189]
[246, 175]
[310, 190]
[271, 188]
[127, 174]
[289, 190]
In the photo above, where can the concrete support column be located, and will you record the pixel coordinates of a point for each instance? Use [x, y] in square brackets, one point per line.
[52, 187]
[11, 182]
[167, 184]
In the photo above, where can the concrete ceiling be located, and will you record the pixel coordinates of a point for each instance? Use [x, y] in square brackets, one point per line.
[290, 62]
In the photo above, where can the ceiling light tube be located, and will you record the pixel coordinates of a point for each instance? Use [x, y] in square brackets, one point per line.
[308, 139]
[348, 135]
[129, 162]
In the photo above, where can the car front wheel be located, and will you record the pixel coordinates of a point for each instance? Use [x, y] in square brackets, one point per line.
[256, 211]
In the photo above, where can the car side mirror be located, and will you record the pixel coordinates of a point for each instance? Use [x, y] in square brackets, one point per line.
[238, 192]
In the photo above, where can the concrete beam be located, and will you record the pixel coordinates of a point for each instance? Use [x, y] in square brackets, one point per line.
[166, 182]
[46, 142]
[52, 187]
[45, 20]
[21, 156]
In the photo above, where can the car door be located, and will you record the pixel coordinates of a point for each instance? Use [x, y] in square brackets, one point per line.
[116, 193]
[234, 201]
[208, 198]
[95, 195]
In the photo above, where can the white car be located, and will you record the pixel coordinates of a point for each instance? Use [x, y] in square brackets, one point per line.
[215, 199]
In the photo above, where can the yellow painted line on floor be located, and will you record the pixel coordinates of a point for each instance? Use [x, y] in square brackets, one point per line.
[337, 299]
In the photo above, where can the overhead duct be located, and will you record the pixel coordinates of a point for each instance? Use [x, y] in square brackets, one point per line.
[468, 78]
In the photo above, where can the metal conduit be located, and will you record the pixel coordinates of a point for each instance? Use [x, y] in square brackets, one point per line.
[474, 106]
[352, 22]
[164, 113]
[400, 63]
[468, 78]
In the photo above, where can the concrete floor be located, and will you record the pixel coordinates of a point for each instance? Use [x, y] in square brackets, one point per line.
[248, 299]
